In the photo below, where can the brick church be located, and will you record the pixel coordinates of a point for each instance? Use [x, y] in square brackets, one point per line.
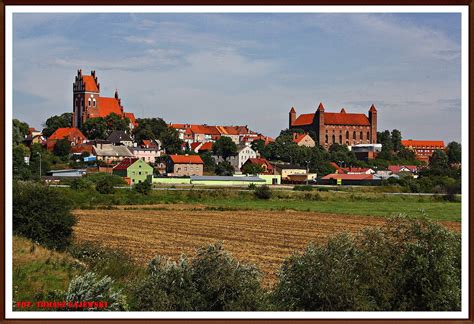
[87, 102]
[341, 128]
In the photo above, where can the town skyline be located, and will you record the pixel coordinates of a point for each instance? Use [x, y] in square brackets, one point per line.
[243, 69]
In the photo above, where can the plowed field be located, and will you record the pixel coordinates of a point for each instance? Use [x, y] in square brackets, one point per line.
[263, 238]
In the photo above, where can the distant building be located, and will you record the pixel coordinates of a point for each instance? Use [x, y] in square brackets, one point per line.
[341, 128]
[88, 103]
[423, 149]
[148, 155]
[67, 173]
[244, 153]
[287, 170]
[133, 169]
[303, 140]
[120, 138]
[349, 179]
[110, 153]
[185, 165]
[366, 152]
[72, 134]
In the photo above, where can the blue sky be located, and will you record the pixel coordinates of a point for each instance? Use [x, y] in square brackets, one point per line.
[247, 69]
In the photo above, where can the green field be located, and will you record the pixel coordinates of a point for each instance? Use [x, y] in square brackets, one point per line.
[349, 203]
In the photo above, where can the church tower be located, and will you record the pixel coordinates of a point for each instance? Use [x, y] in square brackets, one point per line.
[86, 93]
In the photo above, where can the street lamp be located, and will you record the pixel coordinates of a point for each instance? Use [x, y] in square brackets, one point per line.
[307, 171]
[39, 165]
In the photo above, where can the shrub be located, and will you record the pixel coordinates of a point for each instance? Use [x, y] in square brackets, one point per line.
[143, 187]
[81, 184]
[263, 192]
[212, 281]
[42, 214]
[408, 265]
[90, 288]
[105, 186]
[252, 186]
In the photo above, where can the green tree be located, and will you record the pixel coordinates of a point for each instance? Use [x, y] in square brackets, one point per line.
[396, 138]
[143, 187]
[156, 128]
[116, 122]
[224, 168]
[39, 155]
[407, 265]
[55, 122]
[209, 163]
[259, 146]
[224, 147]
[62, 148]
[105, 186]
[439, 162]
[170, 140]
[453, 151]
[250, 168]
[42, 214]
[95, 128]
[21, 170]
[20, 130]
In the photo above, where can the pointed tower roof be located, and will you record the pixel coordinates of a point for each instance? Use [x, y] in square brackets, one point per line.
[372, 108]
[343, 111]
[320, 107]
[292, 110]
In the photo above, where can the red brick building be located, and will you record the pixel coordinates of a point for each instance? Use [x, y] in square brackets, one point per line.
[87, 102]
[72, 134]
[423, 149]
[341, 128]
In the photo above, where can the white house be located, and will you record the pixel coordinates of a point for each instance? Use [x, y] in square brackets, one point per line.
[244, 152]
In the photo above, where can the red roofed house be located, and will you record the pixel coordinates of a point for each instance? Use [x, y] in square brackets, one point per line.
[267, 167]
[72, 134]
[423, 149]
[134, 170]
[395, 169]
[87, 102]
[303, 140]
[185, 165]
[341, 128]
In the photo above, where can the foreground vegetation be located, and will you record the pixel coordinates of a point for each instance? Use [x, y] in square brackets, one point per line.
[406, 265]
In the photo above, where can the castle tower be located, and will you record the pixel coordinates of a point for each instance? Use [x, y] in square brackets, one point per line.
[292, 117]
[319, 121]
[373, 124]
[86, 92]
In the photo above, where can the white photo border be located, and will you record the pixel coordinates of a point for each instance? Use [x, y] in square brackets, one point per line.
[463, 10]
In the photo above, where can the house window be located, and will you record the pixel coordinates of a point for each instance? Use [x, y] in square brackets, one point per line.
[368, 135]
[347, 135]
[89, 101]
[340, 139]
[326, 138]
[354, 135]
[94, 102]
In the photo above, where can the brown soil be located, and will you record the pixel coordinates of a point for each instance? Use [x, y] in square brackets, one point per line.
[264, 238]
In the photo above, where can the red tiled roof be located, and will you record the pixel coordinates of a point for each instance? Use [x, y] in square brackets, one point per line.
[206, 147]
[416, 143]
[107, 106]
[178, 125]
[194, 145]
[397, 168]
[304, 119]
[89, 83]
[348, 176]
[346, 119]
[125, 163]
[186, 159]
[341, 118]
[298, 137]
[68, 132]
[81, 148]
[132, 118]
[353, 169]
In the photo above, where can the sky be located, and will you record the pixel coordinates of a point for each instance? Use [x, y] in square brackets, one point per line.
[247, 69]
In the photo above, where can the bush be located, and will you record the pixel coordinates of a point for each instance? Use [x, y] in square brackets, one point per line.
[42, 214]
[81, 184]
[105, 186]
[90, 288]
[408, 265]
[143, 187]
[252, 186]
[212, 281]
[263, 192]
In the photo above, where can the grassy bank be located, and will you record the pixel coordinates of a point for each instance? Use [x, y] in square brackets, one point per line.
[350, 203]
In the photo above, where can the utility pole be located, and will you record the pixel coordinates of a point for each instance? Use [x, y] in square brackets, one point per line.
[307, 171]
